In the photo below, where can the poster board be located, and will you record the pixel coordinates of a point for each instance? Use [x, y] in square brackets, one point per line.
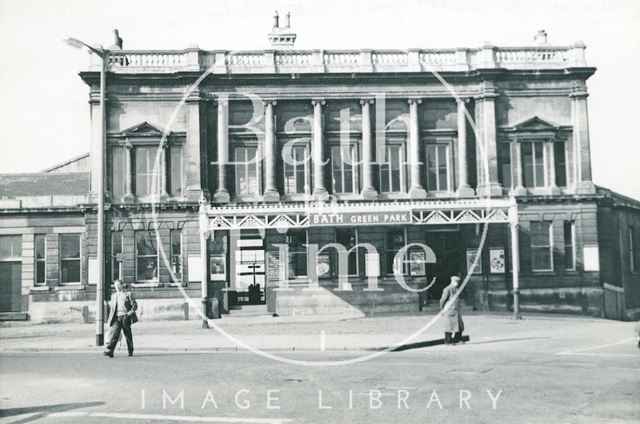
[94, 272]
[194, 267]
[372, 264]
[324, 265]
[218, 267]
[471, 257]
[496, 260]
[417, 263]
[591, 257]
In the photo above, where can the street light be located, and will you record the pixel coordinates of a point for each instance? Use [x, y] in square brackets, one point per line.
[102, 54]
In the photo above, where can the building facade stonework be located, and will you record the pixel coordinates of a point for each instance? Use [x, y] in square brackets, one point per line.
[235, 174]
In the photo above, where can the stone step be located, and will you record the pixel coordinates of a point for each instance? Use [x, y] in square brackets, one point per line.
[248, 310]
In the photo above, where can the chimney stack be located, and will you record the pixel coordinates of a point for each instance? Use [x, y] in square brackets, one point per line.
[282, 38]
[541, 38]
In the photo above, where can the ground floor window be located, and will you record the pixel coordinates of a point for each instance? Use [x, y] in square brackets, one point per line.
[541, 246]
[40, 257]
[348, 237]
[176, 253]
[146, 256]
[116, 256]
[70, 258]
[10, 248]
[297, 240]
[569, 245]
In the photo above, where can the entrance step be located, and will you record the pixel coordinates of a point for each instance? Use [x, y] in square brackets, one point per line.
[248, 311]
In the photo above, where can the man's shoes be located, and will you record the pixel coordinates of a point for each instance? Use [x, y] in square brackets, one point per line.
[108, 353]
[131, 353]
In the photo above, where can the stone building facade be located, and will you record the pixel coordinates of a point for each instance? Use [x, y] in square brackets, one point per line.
[232, 176]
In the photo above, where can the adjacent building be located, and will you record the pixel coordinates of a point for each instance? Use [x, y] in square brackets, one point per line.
[232, 177]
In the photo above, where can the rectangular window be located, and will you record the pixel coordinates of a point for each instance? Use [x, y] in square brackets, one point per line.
[633, 266]
[438, 167]
[146, 256]
[344, 169]
[118, 172]
[176, 253]
[147, 181]
[348, 237]
[70, 258]
[246, 167]
[505, 165]
[297, 240]
[569, 246]
[296, 173]
[116, 255]
[175, 171]
[40, 257]
[541, 246]
[560, 164]
[533, 163]
[391, 170]
[395, 241]
[10, 248]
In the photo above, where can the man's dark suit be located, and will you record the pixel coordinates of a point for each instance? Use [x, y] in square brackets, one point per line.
[119, 322]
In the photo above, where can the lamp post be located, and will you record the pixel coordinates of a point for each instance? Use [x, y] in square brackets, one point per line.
[102, 54]
[515, 257]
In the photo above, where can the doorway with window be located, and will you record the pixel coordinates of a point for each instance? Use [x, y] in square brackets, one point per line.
[447, 245]
[250, 270]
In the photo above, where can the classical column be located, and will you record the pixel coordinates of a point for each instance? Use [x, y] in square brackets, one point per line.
[128, 174]
[464, 190]
[581, 144]
[368, 191]
[416, 191]
[519, 189]
[487, 161]
[270, 192]
[551, 163]
[319, 191]
[222, 193]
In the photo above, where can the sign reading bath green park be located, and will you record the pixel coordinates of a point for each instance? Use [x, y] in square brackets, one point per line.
[359, 218]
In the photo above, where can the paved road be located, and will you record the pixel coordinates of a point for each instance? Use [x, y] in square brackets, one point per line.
[589, 375]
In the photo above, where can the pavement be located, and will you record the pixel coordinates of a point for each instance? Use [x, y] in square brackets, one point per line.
[308, 333]
[542, 369]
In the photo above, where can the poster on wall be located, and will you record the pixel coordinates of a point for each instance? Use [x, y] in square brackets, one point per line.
[471, 257]
[218, 267]
[324, 265]
[496, 260]
[591, 257]
[417, 264]
[372, 264]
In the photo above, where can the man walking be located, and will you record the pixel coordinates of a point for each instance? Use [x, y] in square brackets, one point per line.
[122, 314]
[452, 316]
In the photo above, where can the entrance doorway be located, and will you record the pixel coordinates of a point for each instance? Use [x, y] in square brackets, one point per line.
[447, 246]
[250, 270]
[11, 273]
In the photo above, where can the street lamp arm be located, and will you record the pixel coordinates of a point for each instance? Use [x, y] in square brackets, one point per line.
[78, 44]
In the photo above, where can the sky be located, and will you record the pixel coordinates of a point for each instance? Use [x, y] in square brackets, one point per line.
[44, 112]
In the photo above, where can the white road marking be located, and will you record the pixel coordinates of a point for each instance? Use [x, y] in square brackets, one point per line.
[608, 355]
[573, 352]
[322, 341]
[188, 418]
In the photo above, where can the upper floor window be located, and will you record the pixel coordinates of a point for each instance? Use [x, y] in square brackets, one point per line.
[118, 172]
[70, 258]
[344, 169]
[174, 162]
[246, 171]
[541, 246]
[146, 171]
[533, 167]
[560, 163]
[505, 164]
[40, 257]
[438, 168]
[391, 169]
[296, 170]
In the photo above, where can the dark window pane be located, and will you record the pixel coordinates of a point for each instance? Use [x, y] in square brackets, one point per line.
[40, 246]
[147, 268]
[561, 164]
[70, 246]
[70, 271]
[40, 272]
[568, 246]
[527, 164]
[175, 174]
[117, 172]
